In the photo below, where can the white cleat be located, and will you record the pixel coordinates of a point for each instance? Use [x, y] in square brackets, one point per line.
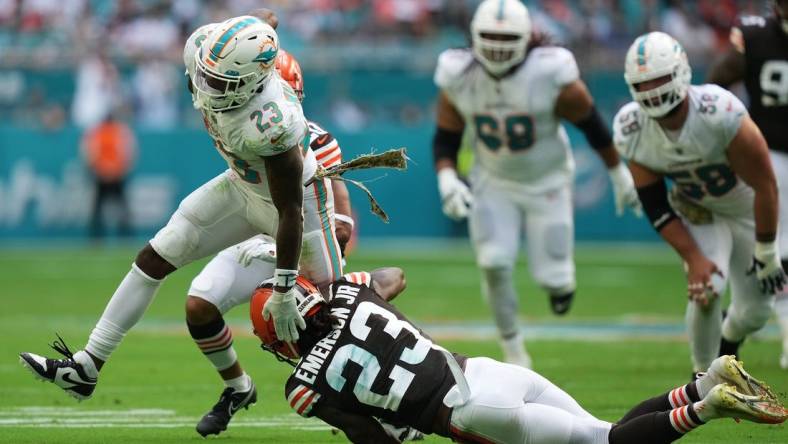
[784, 360]
[727, 370]
[726, 402]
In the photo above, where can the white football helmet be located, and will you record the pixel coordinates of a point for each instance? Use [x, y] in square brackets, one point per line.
[500, 31]
[652, 56]
[233, 62]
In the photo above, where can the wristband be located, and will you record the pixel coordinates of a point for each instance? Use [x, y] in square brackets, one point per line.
[284, 278]
[765, 250]
[346, 219]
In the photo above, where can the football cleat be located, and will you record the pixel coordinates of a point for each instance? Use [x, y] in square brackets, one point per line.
[64, 373]
[784, 361]
[728, 403]
[215, 421]
[727, 370]
[560, 304]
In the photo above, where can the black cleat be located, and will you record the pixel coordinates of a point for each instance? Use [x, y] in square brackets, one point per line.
[64, 373]
[560, 304]
[215, 421]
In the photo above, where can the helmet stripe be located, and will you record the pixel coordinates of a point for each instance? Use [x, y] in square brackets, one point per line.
[500, 10]
[642, 52]
[218, 47]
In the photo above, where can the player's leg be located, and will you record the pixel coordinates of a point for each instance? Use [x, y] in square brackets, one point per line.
[780, 166]
[221, 285]
[500, 410]
[550, 240]
[189, 235]
[722, 401]
[750, 308]
[703, 322]
[321, 258]
[494, 224]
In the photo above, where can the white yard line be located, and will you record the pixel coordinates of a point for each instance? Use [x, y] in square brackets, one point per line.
[70, 417]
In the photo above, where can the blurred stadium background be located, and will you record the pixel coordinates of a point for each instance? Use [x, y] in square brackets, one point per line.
[65, 65]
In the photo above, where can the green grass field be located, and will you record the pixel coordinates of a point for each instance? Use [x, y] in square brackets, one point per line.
[157, 385]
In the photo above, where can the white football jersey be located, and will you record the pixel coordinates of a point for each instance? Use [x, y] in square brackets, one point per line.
[512, 123]
[696, 158]
[270, 123]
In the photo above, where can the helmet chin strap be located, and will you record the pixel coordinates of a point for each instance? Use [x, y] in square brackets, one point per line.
[277, 355]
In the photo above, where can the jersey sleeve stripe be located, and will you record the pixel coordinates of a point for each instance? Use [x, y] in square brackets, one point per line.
[308, 403]
[333, 160]
[296, 394]
[325, 153]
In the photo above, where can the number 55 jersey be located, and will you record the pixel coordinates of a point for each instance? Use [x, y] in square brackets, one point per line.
[374, 363]
[695, 157]
[511, 121]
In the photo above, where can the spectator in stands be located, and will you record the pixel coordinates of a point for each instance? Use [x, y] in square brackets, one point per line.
[109, 150]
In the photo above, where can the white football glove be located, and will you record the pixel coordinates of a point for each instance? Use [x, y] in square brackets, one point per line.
[455, 195]
[767, 268]
[256, 248]
[402, 433]
[624, 190]
[287, 319]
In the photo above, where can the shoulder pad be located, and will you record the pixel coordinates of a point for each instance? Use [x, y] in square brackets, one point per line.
[556, 63]
[721, 110]
[626, 124]
[300, 397]
[452, 63]
[273, 126]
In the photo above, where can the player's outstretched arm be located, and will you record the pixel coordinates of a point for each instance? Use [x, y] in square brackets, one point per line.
[576, 105]
[652, 191]
[388, 282]
[284, 173]
[357, 428]
[748, 154]
[456, 198]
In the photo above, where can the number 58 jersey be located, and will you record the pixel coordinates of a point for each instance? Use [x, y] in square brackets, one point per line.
[374, 363]
[511, 121]
[695, 158]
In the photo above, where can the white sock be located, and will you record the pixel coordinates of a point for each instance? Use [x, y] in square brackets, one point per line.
[242, 383]
[703, 385]
[704, 411]
[124, 310]
[81, 357]
[703, 328]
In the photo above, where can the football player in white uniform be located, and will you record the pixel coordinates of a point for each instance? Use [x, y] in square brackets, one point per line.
[510, 93]
[230, 278]
[721, 217]
[258, 127]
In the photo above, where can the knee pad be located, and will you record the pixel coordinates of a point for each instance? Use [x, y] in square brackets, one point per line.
[557, 241]
[753, 317]
[176, 241]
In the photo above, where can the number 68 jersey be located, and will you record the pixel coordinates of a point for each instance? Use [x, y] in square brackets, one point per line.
[695, 158]
[374, 363]
[511, 121]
